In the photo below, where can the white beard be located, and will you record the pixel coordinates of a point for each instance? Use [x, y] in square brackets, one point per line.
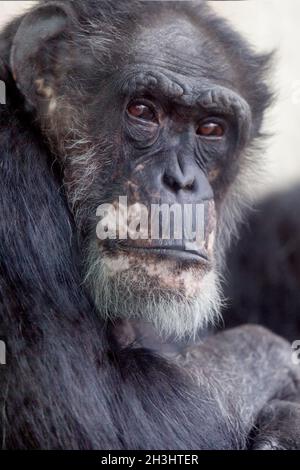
[123, 289]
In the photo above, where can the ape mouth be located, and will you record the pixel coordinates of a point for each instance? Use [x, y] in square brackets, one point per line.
[184, 252]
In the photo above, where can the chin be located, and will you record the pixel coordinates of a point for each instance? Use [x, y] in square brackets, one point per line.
[178, 293]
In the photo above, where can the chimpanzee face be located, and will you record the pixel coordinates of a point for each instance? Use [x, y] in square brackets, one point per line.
[173, 129]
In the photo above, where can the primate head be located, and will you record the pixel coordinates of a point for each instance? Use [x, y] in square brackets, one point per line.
[155, 105]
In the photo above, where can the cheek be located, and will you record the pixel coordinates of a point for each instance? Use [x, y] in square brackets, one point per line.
[214, 174]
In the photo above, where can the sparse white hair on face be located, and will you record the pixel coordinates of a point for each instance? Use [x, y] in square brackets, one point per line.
[122, 291]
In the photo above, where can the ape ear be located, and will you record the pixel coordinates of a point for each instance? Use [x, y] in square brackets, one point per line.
[33, 63]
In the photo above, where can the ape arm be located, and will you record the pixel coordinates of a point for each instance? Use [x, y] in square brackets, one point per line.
[250, 371]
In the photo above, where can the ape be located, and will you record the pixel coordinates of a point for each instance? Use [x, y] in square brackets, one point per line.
[161, 104]
[267, 260]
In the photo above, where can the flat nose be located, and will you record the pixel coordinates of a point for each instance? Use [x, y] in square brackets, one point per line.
[178, 182]
[176, 177]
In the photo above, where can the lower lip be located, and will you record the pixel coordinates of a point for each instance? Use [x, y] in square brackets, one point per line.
[177, 254]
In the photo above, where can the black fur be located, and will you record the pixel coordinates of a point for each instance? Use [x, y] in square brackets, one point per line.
[67, 384]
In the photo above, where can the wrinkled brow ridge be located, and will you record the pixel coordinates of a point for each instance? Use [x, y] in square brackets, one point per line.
[209, 96]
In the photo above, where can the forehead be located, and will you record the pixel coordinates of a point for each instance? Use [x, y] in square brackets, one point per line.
[168, 36]
[183, 47]
[178, 56]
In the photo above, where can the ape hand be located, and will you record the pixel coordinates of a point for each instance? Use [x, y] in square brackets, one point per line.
[278, 426]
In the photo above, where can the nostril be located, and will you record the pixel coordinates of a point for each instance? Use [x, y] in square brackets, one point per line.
[189, 184]
[170, 182]
[178, 183]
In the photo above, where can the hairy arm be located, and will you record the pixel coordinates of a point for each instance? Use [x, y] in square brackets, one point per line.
[249, 370]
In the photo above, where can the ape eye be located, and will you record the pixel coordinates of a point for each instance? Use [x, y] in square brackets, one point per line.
[211, 129]
[142, 111]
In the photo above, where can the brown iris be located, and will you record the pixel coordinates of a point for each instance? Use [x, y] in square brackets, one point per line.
[141, 111]
[211, 129]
